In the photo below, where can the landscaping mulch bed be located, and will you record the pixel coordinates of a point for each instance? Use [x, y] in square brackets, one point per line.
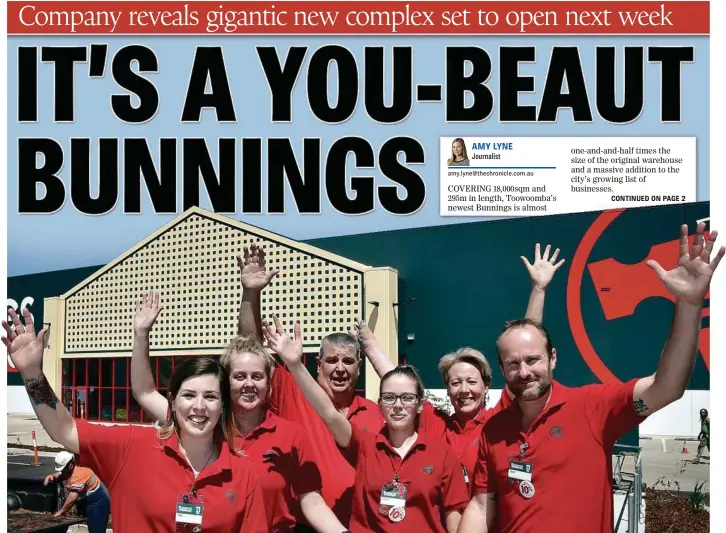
[22, 521]
[40, 448]
[670, 513]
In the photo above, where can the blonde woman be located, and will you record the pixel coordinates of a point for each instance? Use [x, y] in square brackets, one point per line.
[467, 375]
[459, 157]
[278, 450]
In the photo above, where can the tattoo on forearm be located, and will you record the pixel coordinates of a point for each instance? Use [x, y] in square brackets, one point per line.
[40, 391]
[640, 406]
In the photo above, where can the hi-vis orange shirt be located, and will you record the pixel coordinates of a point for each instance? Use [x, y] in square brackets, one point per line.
[338, 477]
[82, 480]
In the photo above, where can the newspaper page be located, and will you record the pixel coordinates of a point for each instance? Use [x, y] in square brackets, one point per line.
[412, 164]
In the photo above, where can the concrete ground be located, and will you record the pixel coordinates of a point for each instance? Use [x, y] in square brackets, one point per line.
[662, 459]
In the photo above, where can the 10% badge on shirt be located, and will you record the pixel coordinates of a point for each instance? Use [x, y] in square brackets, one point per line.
[393, 501]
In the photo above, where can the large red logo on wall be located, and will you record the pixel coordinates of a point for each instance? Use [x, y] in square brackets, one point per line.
[620, 289]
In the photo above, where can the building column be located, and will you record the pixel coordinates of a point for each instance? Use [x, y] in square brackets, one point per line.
[52, 362]
[381, 292]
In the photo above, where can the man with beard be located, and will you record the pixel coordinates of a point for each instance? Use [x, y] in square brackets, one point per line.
[338, 362]
[545, 464]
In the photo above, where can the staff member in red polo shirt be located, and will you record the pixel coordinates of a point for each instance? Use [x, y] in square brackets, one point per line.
[545, 464]
[405, 481]
[339, 364]
[467, 375]
[279, 450]
[181, 476]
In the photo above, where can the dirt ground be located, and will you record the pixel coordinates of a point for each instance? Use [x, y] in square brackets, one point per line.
[668, 513]
[22, 521]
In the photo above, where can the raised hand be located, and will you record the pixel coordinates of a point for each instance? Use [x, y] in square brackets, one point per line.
[289, 350]
[690, 279]
[367, 340]
[372, 349]
[147, 313]
[253, 271]
[544, 266]
[24, 346]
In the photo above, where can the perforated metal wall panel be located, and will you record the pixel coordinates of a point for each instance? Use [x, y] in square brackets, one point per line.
[192, 263]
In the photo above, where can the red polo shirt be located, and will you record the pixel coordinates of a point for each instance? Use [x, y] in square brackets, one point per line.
[147, 477]
[432, 474]
[570, 447]
[282, 458]
[463, 439]
[288, 401]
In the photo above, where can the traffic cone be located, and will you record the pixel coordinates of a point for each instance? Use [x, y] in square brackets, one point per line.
[36, 462]
[684, 450]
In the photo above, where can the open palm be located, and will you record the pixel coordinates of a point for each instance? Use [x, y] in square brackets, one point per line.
[253, 270]
[24, 346]
[147, 313]
[289, 350]
[544, 267]
[689, 281]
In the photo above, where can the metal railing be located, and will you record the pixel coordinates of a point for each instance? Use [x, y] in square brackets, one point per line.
[631, 483]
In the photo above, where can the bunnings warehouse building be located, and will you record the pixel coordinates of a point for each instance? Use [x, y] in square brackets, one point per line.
[424, 292]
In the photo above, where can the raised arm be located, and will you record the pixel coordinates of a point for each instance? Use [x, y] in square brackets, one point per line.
[689, 282]
[142, 378]
[254, 277]
[541, 272]
[291, 351]
[372, 349]
[26, 351]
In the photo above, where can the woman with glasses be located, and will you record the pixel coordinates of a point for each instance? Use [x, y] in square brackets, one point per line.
[405, 481]
[467, 375]
[183, 476]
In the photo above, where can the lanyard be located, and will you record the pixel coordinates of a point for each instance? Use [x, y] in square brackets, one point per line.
[393, 467]
[522, 448]
[193, 488]
[390, 458]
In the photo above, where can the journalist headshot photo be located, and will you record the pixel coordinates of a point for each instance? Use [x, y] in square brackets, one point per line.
[459, 158]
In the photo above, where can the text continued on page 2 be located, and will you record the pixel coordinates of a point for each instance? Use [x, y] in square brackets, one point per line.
[526, 176]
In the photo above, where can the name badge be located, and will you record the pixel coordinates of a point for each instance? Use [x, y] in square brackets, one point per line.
[393, 495]
[189, 513]
[393, 501]
[520, 470]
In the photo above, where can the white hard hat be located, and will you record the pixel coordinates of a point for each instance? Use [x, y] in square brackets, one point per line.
[62, 459]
